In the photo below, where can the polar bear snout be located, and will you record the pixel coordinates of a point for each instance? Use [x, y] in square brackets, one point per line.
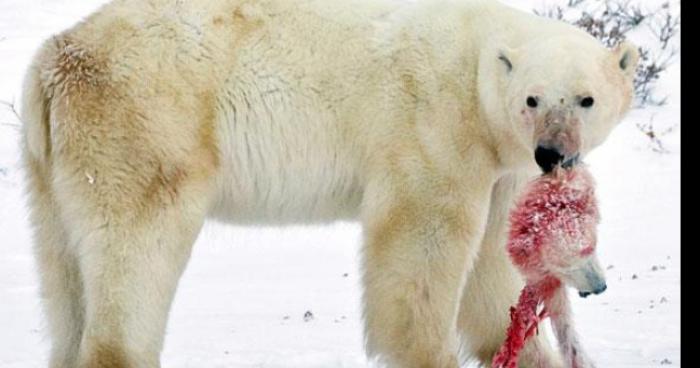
[558, 140]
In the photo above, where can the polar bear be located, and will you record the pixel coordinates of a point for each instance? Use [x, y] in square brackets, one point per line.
[420, 120]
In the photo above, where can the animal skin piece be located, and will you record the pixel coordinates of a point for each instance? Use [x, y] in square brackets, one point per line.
[553, 233]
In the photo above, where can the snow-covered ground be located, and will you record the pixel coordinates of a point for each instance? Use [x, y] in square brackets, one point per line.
[242, 299]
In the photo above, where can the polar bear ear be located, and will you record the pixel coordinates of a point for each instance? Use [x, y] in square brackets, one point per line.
[627, 55]
[507, 56]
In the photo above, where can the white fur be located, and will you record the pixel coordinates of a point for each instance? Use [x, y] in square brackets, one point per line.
[151, 115]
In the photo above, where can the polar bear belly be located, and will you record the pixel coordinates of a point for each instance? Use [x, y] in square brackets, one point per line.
[283, 154]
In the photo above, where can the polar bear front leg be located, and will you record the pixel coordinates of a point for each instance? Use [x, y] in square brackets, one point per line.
[416, 254]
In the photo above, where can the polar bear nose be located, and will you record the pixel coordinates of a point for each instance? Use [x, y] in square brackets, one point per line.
[547, 158]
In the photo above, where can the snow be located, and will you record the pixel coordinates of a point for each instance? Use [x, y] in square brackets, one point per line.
[242, 300]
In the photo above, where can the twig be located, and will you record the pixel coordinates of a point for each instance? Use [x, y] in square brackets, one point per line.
[11, 125]
[654, 136]
[666, 29]
[13, 109]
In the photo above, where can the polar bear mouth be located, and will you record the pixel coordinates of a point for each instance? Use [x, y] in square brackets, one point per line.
[549, 158]
[571, 162]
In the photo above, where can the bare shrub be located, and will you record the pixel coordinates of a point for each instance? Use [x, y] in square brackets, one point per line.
[611, 21]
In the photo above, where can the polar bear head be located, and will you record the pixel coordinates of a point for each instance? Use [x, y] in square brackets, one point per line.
[555, 98]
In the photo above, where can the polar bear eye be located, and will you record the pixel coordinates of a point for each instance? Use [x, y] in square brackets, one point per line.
[587, 102]
[531, 102]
